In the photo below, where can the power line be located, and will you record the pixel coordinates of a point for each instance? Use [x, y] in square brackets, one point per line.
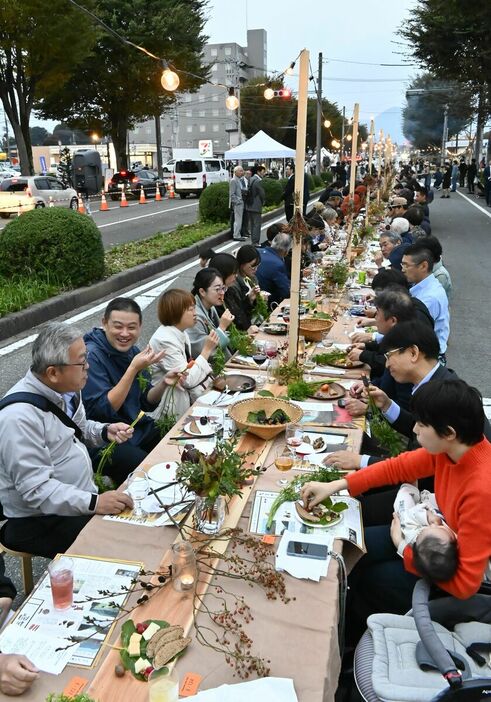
[367, 63]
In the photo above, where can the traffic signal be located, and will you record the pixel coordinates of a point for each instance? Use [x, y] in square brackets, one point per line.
[284, 93]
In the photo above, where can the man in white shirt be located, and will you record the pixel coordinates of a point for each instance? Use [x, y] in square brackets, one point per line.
[417, 266]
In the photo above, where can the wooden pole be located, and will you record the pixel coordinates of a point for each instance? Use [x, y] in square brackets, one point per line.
[303, 85]
[354, 151]
[371, 137]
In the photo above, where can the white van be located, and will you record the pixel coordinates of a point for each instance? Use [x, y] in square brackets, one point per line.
[193, 175]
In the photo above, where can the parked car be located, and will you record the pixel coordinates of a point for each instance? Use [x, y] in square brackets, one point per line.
[191, 176]
[29, 192]
[132, 182]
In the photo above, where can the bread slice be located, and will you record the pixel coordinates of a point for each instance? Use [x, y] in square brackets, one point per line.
[167, 634]
[167, 652]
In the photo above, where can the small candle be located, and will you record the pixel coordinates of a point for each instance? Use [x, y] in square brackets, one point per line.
[187, 582]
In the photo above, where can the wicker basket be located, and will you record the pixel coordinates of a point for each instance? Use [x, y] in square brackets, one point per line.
[313, 329]
[358, 250]
[241, 409]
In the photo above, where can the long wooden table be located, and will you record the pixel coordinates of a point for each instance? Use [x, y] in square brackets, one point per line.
[299, 638]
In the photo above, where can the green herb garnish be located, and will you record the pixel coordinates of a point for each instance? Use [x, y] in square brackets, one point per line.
[330, 358]
[240, 341]
[291, 492]
[218, 362]
[388, 438]
[279, 416]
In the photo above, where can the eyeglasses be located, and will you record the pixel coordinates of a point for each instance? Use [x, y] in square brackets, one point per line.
[220, 288]
[388, 354]
[83, 364]
[404, 264]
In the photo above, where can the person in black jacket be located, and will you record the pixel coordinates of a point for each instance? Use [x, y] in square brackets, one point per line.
[289, 192]
[240, 297]
[411, 351]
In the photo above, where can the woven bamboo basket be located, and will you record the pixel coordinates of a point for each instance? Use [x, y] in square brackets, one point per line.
[241, 409]
[313, 329]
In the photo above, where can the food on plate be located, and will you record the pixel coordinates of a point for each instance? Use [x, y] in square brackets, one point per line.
[279, 416]
[318, 443]
[148, 646]
[324, 514]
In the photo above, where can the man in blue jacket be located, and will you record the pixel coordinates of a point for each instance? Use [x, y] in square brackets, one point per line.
[119, 384]
[272, 274]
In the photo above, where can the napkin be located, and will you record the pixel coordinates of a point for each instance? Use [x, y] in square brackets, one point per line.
[211, 397]
[271, 689]
[304, 568]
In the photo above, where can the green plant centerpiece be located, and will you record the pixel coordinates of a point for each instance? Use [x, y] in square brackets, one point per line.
[213, 478]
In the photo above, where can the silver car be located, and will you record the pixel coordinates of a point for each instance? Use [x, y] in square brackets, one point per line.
[29, 192]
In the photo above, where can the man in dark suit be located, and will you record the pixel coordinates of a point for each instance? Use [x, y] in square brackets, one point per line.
[411, 351]
[289, 192]
[471, 175]
[487, 183]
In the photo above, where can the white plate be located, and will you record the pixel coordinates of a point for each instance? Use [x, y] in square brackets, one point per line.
[335, 522]
[305, 448]
[161, 474]
[207, 430]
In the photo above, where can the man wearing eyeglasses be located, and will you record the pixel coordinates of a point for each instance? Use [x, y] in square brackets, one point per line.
[46, 478]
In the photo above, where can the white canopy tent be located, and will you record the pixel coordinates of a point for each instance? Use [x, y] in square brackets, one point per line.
[260, 146]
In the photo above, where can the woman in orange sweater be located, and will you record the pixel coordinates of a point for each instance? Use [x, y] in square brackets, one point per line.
[449, 421]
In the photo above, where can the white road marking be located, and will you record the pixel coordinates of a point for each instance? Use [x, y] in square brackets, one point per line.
[150, 214]
[486, 212]
[149, 291]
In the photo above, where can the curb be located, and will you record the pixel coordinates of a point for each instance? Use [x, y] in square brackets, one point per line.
[42, 312]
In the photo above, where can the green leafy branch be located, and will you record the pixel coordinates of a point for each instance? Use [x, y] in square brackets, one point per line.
[106, 457]
[388, 438]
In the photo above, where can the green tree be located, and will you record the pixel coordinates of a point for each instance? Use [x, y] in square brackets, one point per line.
[38, 135]
[272, 116]
[423, 115]
[117, 85]
[65, 167]
[450, 38]
[39, 48]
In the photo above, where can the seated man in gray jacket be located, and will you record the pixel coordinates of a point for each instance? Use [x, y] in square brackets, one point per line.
[47, 489]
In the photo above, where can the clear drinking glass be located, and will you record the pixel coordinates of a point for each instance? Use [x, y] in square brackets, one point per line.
[308, 367]
[163, 687]
[138, 488]
[61, 580]
[293, 435]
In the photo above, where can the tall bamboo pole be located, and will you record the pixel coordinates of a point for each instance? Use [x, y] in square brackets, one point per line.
[303, 85]
[352, 181]
[371, 137]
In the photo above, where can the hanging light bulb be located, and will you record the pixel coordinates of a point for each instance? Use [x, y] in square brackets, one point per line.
[232, 101]
[289, 70]
[349, 137]
[169, 78]
[327, 123]
[335, 144]
[269, 94]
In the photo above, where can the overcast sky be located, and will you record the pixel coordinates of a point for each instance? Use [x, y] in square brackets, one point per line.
[350, 31]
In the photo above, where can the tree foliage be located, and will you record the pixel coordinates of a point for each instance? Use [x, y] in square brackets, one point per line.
[117, 86]
[39, 48]
[272, 116]
[38, 135]
[451, 38]
[423, 115]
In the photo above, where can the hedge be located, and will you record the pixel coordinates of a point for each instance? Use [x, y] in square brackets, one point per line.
[213, 203]
[54, 242]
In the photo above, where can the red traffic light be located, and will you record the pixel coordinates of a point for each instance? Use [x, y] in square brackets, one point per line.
[283, 93]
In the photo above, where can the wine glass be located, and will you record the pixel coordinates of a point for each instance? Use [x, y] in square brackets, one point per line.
[138, 488]
[271, 349]
[308, 367]
[346, 321]
[326, 340]
[283, 463]
[293, 435]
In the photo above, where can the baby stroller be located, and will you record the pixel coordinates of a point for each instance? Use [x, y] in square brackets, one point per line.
[402, 658]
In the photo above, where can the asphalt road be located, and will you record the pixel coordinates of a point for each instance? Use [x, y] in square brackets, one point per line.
[463, 229]
[122, 224]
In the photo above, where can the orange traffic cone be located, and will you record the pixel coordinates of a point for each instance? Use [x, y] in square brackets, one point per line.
[158, 194]
[81, 207]
[143, 199]
[51, 203]
[171, 191]
[124, 201]
[104, 207]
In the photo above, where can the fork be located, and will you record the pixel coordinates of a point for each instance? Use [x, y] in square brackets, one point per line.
[224, 392]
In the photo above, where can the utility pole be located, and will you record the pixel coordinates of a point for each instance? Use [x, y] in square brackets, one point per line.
[319, 119]
[444, 136]
[342, 134]
[158, 142]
